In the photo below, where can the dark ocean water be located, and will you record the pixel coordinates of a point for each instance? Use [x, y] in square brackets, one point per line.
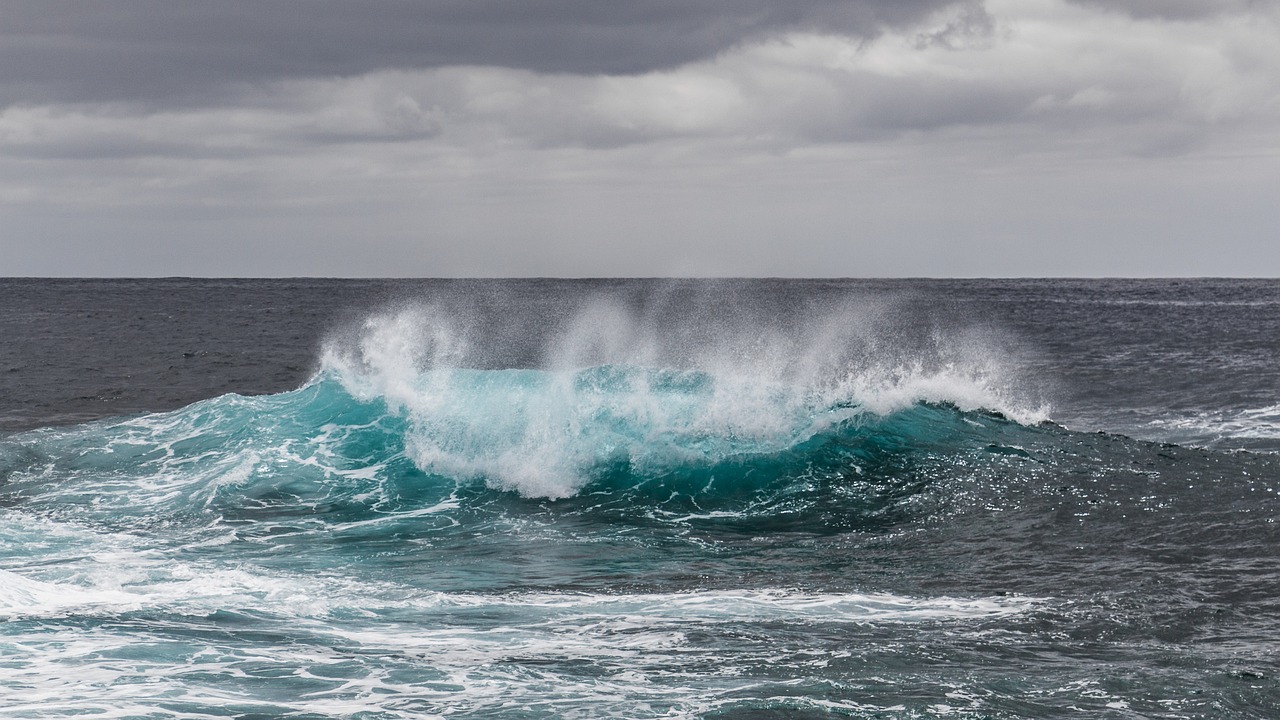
[639, 499]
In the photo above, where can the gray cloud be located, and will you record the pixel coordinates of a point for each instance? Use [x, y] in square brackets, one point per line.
[1175, 9]
[170, 50]
[1135, 87]
[641, 137]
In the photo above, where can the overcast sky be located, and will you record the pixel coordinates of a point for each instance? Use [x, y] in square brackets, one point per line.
[640, 137]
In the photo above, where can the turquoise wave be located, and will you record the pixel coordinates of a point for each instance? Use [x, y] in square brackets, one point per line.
[611, 441]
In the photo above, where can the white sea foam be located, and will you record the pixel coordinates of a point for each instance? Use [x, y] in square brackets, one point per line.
[122, 579]
[440, 653]
[81, 570]
[345, 646]
[614, 387]
[1211, 428]
[758, 604]
[23, 597]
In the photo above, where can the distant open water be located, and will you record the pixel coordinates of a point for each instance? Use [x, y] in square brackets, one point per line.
[639, 499]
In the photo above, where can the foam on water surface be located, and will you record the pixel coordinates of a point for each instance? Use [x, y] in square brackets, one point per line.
[614, 390]
[701, 505]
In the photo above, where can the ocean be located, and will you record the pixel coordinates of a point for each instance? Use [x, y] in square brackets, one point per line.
[375, 500]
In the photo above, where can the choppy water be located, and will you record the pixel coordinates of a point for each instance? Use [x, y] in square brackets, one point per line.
[556, 499]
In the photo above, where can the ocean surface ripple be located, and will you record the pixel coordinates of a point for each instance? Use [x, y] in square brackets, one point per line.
[755, 499]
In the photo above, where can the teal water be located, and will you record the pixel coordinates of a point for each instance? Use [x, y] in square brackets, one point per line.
[834, 519]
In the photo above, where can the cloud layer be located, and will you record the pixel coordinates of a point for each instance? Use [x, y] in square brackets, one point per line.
[67, 50]
[494, 117]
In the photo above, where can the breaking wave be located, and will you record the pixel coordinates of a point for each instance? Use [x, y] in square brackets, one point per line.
[403, 417]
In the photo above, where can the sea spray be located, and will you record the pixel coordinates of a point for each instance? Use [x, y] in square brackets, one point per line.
[615, 388]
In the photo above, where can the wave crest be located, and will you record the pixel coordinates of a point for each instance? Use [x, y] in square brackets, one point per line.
[613, 390]
[819, 424]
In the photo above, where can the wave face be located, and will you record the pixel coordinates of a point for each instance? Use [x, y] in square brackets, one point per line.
[615, 401]
[642, 440]
[715, 508]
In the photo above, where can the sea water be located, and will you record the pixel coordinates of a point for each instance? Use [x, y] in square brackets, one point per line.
[639, 498]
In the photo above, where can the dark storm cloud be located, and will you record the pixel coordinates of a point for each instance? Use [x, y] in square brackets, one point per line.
[603, 137]
[140, 50]
[1173, 9]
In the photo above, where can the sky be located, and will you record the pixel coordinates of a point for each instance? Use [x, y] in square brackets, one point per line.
[572, 138]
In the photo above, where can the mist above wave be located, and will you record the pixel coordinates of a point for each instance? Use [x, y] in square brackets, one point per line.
[681, 407]
[676, 384]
